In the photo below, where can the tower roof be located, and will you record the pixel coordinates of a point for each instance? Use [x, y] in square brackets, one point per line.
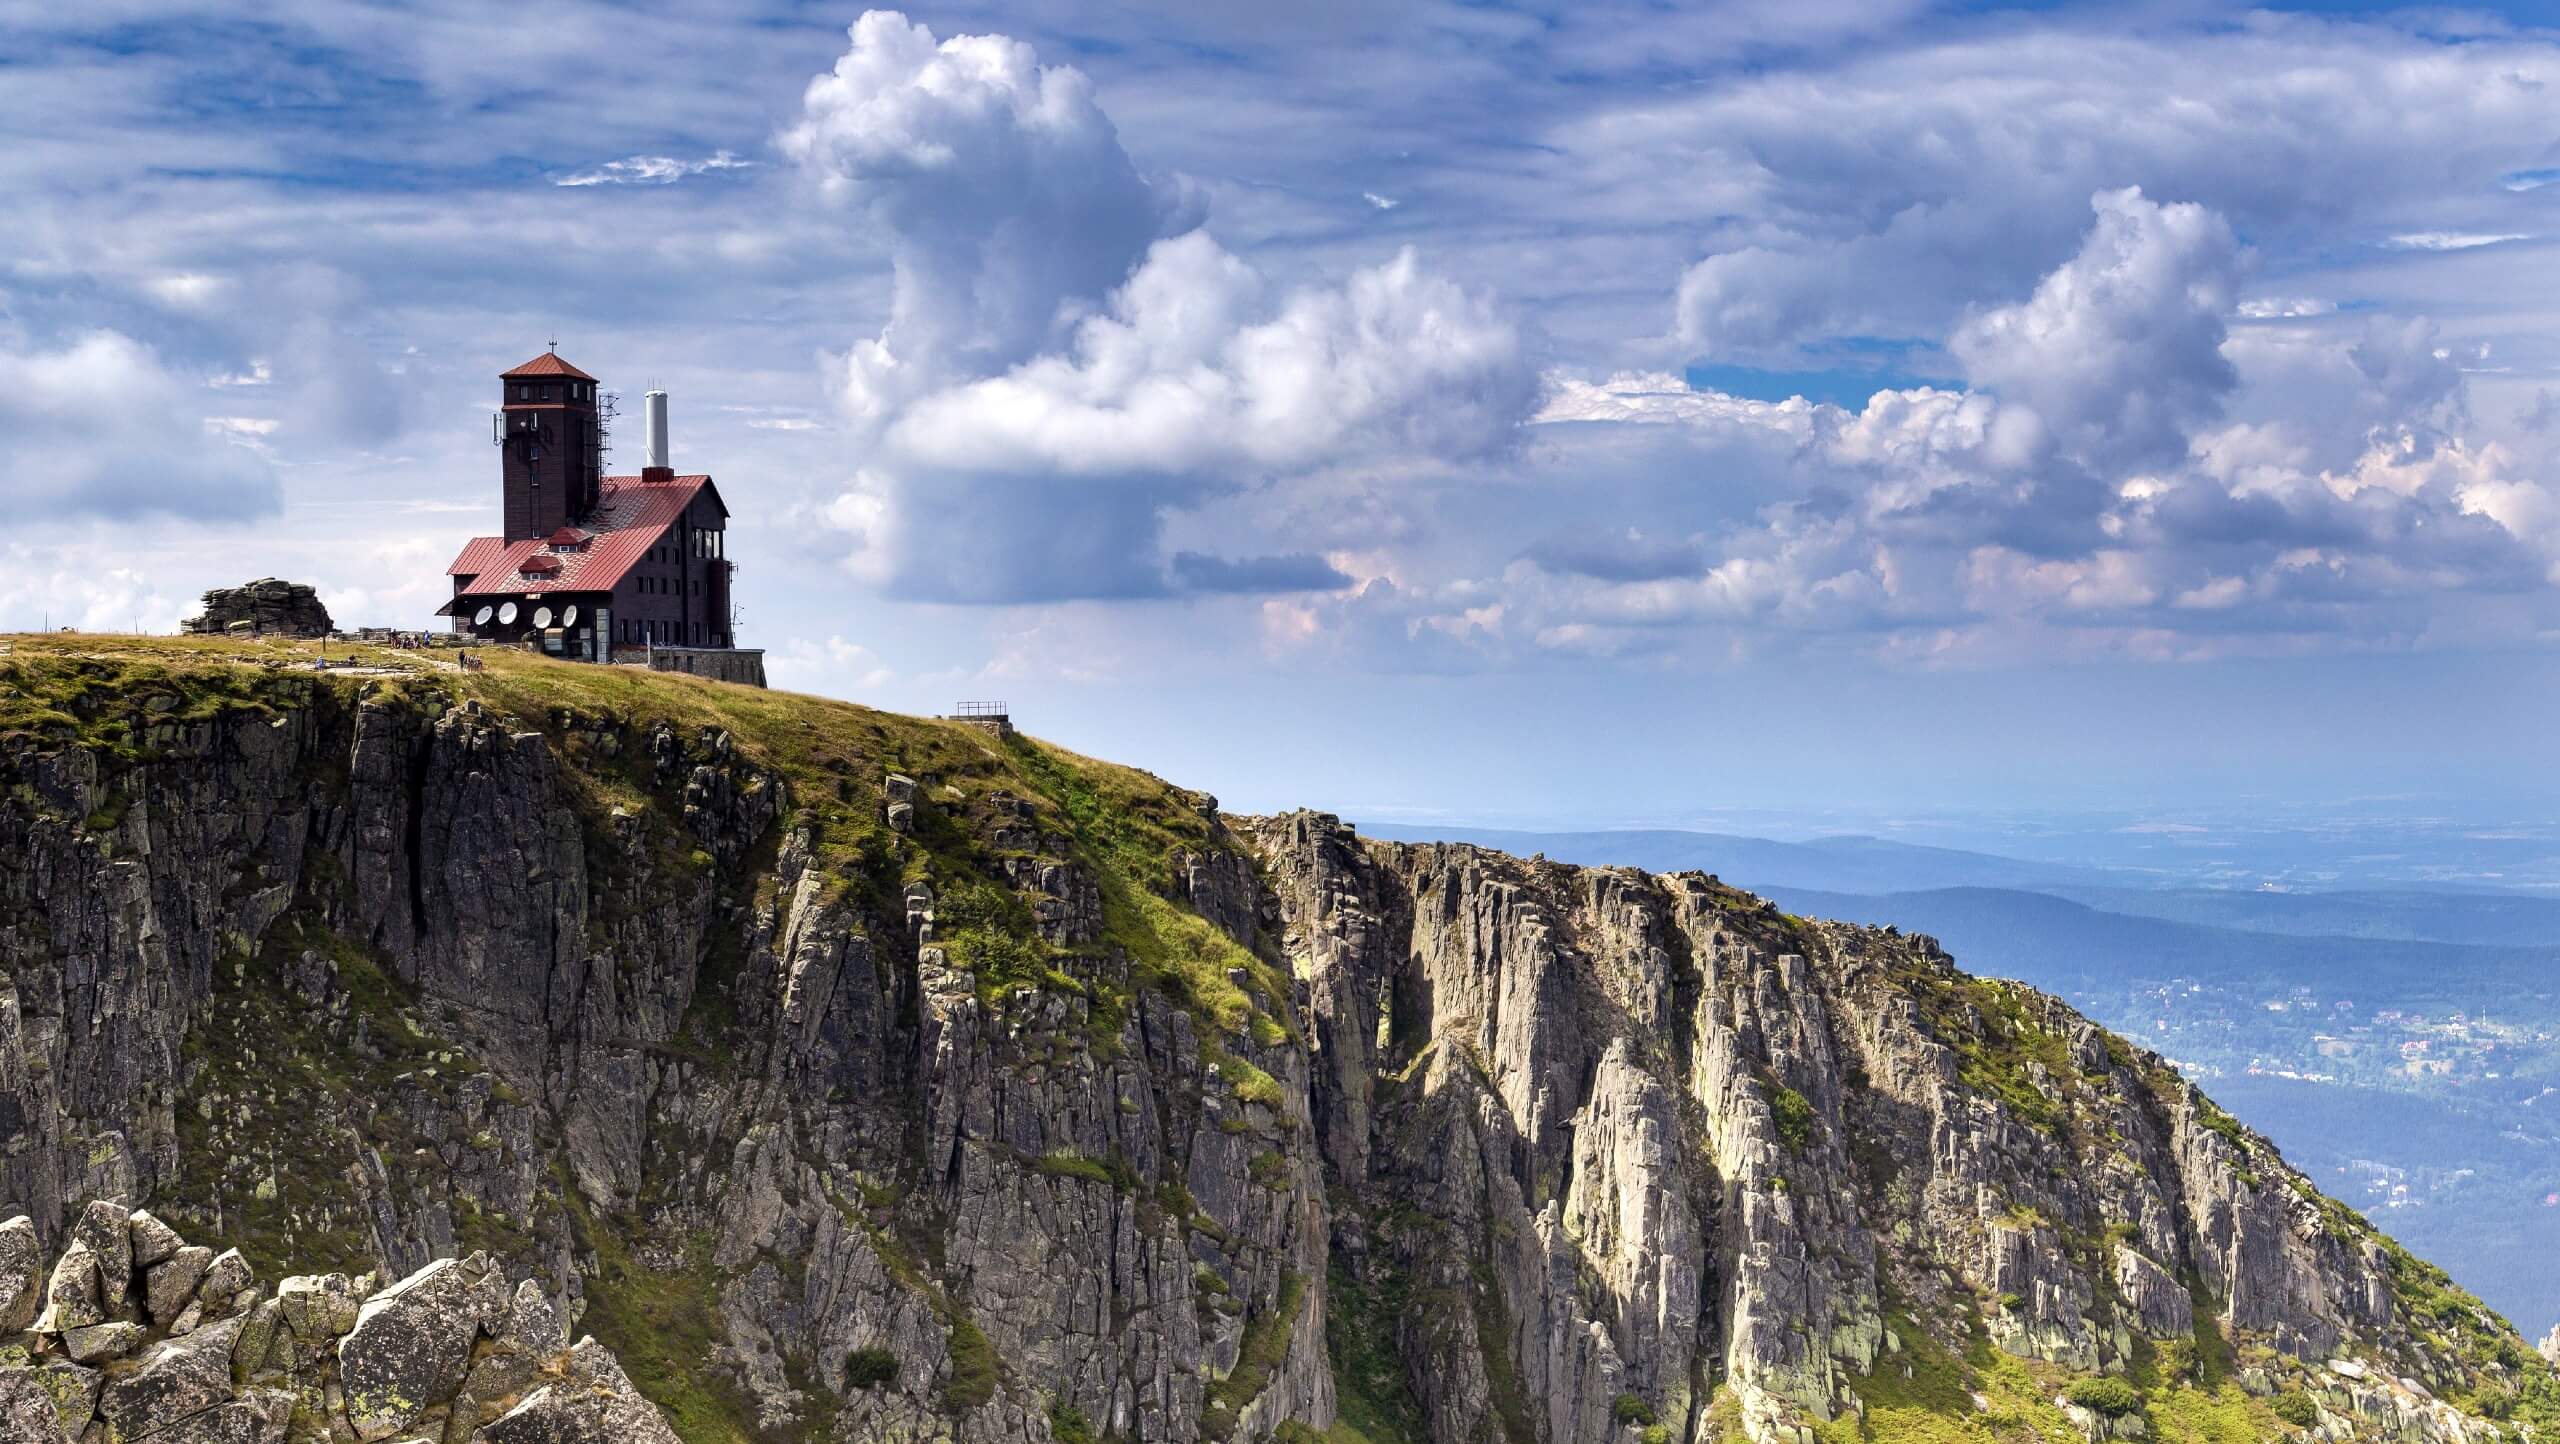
[546, 364]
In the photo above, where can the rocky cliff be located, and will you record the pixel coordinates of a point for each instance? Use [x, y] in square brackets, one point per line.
[862, 1078]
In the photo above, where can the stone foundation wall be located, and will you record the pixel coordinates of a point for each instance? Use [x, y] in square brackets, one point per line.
[742, 665]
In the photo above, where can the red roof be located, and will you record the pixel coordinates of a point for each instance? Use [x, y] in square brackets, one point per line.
[568, 536]
[546, 364]
[478, 555]
[632, 514]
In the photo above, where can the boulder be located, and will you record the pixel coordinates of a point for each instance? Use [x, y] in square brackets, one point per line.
[51, 1405]
[319, 1307]
[530, 1336]
[72, 1295]
[153, 1240]
[595, 1404]
[171, 1284]
[21, 1274]
[174, 1380]
[106, 1230]
[100, 1342]
[225, 1280]
[411, 1345]
[533, 1325]
[267, 607]
[234, 1423]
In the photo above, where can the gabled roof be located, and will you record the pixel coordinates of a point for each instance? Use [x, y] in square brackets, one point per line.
[631, 515]
[546, 364]
[478, 555]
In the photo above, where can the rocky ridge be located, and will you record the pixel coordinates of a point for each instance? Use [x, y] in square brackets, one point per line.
[135, 1336]
[871, 1078]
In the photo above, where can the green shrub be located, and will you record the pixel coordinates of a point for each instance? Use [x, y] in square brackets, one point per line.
[1632, 1409]
[870, 1368]
[1068, 1425]
[2295, 1408]
[1793, 1113]
[973, 1367]
[2112, 1397]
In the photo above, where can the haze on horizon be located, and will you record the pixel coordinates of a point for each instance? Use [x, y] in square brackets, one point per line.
[1833, 410]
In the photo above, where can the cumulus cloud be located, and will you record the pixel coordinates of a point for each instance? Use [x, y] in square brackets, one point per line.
[1069, 358]
[999, 185]
[2119, 351]
[2118, 476]
[97, 424]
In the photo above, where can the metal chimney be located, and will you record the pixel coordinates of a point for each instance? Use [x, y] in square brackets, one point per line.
[654, 406]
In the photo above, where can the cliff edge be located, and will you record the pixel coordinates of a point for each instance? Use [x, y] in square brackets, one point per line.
[862, 1077]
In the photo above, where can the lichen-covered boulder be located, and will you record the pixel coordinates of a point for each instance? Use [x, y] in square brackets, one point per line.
[226, 1279]
[171, 1284]
[319, 1307]
[153, 1241]
[594, 1404]
[21, 1274]
[100, 1342]
[411, 1345]
[72, 1294]
[46, 1406]
[106, 1230]
[239, 1422]
[529, 1337]
[172, 1381]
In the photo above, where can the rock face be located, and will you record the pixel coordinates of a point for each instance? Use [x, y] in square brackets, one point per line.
[864, 1078]
[266, 607]
[318, 1361]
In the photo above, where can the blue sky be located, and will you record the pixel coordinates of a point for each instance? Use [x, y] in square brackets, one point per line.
[1587, 413]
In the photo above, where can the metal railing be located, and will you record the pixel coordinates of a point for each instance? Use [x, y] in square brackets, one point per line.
[984, 709]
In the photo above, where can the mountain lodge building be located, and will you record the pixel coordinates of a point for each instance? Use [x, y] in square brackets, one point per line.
[592, 567]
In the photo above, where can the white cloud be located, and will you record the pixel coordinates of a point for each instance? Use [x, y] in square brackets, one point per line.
[2285, 308]
[2452, 240]
[187, 290]
[654, 170]
[1384, 203]
[1068, 358]
[1878, 195]
[99, 425]
[90, 592]
[834, 665]
[2119, 352]
[999, 186]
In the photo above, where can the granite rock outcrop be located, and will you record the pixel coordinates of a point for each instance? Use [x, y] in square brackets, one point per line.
[448, 1354]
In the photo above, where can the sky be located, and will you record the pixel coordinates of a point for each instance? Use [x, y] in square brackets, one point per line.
[1589, 414]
